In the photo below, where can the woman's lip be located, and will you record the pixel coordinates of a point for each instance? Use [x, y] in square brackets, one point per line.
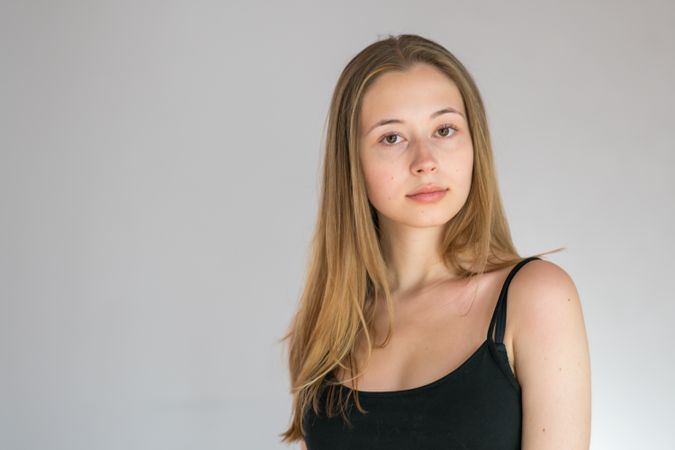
[428, 188]
[428, 197]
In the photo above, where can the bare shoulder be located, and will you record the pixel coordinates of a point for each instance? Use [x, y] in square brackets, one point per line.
[542, 296]
[551, 357]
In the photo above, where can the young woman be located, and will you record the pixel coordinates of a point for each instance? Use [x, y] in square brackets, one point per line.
[403, 338]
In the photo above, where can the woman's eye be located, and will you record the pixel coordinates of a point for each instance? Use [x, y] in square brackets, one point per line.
[448, 127]
[387, 139]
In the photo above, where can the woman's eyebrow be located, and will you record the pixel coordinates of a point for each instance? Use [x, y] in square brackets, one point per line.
[449, 109]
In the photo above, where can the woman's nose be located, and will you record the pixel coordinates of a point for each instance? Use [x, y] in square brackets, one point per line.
[424, 160]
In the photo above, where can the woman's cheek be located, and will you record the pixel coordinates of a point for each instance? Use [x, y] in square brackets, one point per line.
[379, 185]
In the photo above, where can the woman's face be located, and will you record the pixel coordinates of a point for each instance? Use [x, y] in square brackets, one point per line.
[420, 146]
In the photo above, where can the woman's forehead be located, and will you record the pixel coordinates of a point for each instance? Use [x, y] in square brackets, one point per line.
[416, 93]
[420, 106]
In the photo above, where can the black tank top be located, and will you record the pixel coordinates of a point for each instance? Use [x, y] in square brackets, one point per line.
[476, 406]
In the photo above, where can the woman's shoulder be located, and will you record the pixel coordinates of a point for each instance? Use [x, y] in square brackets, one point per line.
[552, 358]
[541, 279]
[545, 312]
[538, 292]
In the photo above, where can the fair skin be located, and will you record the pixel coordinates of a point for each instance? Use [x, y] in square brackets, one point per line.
[398, 158]
[545, 335]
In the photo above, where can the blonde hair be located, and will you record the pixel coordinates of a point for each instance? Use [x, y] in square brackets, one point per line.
[346, 271]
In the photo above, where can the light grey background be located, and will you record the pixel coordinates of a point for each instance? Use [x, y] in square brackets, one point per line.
[159, 175]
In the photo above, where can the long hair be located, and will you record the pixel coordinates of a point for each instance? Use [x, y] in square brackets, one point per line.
[346, 271]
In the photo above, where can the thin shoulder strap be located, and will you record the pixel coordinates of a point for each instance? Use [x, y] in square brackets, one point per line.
[499, 315]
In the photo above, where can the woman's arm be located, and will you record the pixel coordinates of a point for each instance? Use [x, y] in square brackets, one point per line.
[551, 358]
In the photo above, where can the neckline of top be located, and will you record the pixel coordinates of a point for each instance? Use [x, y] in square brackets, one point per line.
[418, 389]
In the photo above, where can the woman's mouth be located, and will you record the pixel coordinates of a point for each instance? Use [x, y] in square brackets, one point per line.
[428, 197]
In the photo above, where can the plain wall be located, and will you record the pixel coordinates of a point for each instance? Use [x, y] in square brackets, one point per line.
[159, 175]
